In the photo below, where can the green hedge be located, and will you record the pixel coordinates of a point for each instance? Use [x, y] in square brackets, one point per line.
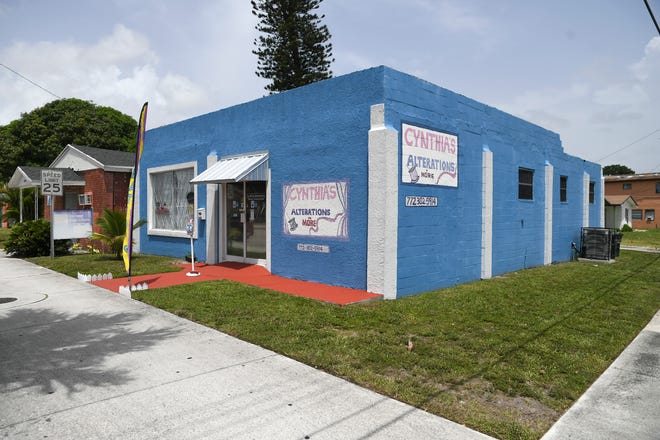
[32, 239]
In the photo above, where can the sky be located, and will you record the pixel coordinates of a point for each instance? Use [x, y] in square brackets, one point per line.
[588, 70]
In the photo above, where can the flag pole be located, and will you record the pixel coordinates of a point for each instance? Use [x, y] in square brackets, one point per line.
[127, 248]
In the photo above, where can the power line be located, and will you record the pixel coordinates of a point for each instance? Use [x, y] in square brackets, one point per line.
[30, 81]
[629, 145]
[652, 16]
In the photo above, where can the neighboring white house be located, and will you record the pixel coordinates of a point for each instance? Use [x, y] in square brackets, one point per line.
[618, 211]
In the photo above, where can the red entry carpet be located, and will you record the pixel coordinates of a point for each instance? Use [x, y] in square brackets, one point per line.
[253, 275]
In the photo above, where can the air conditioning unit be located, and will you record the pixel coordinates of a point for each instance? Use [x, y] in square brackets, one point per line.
[596, 243]
[85, 199]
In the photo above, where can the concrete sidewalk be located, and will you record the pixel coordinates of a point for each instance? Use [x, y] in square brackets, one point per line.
[77, 361]
[624, 402]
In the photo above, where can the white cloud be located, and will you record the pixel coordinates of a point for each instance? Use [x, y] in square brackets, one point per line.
[456, 17]
[648, 66]
[599, 117]
[120, 70]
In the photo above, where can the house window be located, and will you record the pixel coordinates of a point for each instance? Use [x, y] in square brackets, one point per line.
[636, 214]
[649, 215]
[171, 199]
[525, 184]
[627, 186]
[657, 187]
[70, 200]
[563, 184]
[626, 214]
[592, 186]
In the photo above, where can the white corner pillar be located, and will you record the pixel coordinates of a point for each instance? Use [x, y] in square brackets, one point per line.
[486, 213]
[383, 206]
[269, 215]
[212, 215]
[601, 201]
[547, 233]
[585, 200]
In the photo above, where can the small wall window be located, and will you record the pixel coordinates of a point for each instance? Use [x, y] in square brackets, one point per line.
[171, 199]
[657, 187]
[525, 184]
[627, 217]
[649, 215]
[636, 214]
[70, 200]
[563, 185]
[627, 186]
[592, 186]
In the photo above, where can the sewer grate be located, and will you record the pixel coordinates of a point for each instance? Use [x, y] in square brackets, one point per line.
[7, 300]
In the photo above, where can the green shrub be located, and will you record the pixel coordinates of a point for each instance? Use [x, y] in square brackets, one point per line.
[32, 239]
[113, 230]
[626, 228]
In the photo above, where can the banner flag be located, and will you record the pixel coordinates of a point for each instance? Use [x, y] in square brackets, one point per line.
[127, 248]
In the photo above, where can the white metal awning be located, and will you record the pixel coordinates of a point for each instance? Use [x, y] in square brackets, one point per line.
[238, 168]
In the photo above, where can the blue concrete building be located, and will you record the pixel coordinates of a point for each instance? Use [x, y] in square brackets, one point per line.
[375, 180]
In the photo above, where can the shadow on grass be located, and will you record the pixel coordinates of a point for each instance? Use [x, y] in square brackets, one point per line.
[47, 350]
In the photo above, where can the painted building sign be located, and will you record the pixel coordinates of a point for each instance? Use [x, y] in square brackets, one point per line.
[421, 201]
[320, 248]
[428, 157]
[317, 209]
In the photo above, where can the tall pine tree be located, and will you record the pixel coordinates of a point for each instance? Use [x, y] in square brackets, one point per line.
[294, 48]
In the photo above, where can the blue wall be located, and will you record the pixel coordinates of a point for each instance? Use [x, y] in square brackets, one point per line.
[313, 133]
[320, 132]
[441, 246]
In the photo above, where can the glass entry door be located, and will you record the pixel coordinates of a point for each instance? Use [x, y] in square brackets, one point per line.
[245, 233]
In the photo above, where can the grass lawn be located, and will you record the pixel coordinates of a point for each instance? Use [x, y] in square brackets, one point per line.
[642, 237]
[505, 356]
[103, 263]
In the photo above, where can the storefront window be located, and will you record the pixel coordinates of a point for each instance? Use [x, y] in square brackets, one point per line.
[171, 199]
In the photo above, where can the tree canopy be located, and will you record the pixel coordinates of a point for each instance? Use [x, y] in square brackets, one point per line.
[294, 48]
[37, 137]
[616, 170]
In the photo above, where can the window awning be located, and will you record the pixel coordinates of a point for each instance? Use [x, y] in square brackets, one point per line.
[238, 168]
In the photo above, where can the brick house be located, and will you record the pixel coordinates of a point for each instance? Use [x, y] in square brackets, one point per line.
[30, 177]
[106, 174]
[645, 189]
[94, 178]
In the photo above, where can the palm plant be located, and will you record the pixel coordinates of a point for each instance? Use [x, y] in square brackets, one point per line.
[11, 199]
[113, 229]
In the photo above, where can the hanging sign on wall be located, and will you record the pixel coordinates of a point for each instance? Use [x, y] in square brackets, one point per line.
[316, 209]
[428, 157]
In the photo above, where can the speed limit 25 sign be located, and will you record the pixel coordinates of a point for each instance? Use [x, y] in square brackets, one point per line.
[51, 183]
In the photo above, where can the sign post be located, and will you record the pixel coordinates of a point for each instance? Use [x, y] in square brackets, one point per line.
[52, 185]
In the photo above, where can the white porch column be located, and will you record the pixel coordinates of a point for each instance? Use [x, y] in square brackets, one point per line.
[383, 206]
[212, 214]
[486, 213]
[547, 236]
